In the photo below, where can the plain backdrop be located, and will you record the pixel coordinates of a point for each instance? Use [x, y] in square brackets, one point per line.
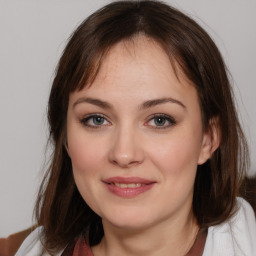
[33, 34]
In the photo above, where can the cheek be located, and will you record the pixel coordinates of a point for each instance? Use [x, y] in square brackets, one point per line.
[84, 151]
[178, 155]
[83, 158]
[86, 164]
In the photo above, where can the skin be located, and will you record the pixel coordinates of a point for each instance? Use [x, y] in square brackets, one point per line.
[129, 142]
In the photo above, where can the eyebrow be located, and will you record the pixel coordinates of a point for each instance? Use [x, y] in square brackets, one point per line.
[155, 102]
[97, 102]
[145, 105]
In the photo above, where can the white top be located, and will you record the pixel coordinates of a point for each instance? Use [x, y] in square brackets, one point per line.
[236, 237]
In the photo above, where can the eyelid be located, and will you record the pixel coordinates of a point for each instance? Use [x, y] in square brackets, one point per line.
[170, 121]
[168, 118]
[86, 118]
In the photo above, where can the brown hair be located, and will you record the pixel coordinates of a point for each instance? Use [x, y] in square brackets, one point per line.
[60, 208]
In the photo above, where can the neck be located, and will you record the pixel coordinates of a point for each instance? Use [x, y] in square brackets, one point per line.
[174, 236]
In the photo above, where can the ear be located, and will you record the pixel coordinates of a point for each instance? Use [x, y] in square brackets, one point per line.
[65, 144]
[211, 140]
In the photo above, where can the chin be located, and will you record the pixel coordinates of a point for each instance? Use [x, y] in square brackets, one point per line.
[130, 219]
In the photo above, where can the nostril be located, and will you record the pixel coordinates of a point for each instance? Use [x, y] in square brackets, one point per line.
[126, 153]
[125, 164]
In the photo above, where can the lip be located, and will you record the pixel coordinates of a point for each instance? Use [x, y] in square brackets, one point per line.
[127, 180]
[119, 186]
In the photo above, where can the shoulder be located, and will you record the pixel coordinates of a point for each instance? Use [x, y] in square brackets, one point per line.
[236, 236]
[32, 245]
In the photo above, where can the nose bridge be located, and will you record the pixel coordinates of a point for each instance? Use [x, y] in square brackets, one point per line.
[126, 150]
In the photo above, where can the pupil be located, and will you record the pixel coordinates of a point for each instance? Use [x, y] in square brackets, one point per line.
[159, 121]
[98, 120]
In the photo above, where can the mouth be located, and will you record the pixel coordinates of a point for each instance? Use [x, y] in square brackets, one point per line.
[128, 186]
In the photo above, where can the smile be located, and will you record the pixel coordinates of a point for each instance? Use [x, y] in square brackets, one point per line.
[128, 187]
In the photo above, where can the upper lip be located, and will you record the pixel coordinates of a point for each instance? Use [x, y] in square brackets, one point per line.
[128, 180]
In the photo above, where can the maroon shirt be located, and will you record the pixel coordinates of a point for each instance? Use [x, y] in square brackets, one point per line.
[82, 248]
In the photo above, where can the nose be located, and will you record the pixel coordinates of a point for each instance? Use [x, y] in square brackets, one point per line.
[126, 150]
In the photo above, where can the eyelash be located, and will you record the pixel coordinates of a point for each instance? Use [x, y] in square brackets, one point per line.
[86, 119]
[171, 121]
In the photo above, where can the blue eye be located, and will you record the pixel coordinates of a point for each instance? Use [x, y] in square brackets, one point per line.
[98, 120]
[161, 121]
[95, 121]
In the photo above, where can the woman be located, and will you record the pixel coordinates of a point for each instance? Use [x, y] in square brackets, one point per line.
[148, 150]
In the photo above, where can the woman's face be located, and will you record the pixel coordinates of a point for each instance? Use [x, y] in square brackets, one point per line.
[135, 138]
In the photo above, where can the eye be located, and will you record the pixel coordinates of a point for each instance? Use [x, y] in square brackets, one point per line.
[95, 121]
[161, 121]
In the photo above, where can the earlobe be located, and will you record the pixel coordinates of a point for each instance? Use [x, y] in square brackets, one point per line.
[66, 146]
[211, 141]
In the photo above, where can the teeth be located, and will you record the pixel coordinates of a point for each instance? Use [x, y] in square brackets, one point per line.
[131, 185]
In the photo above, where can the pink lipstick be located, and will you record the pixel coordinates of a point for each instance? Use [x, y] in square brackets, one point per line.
[128, 186]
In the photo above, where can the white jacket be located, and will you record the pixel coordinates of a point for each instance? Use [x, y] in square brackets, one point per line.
[236, 237]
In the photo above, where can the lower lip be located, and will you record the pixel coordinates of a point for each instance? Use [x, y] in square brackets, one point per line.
[128, 192]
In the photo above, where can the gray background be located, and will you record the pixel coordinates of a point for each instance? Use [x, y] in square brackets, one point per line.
[33, 34]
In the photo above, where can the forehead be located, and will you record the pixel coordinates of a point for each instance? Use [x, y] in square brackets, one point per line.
[142, 52]
[139, 66]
